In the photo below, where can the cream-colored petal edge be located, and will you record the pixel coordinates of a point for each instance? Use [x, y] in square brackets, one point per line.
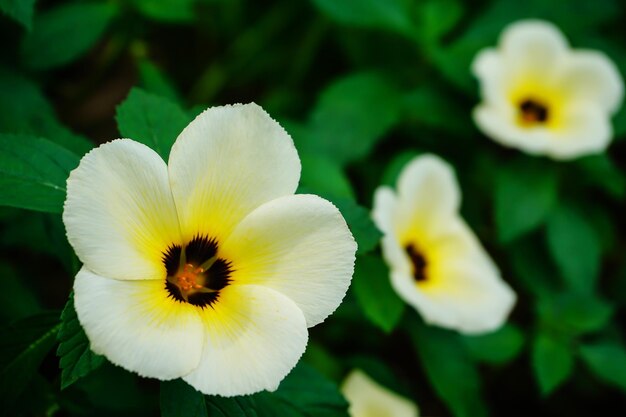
[533, 46]
[427, 193]
[367, 398]
[299, 245]
[119, 213]
[137, 326]
[254, 337]
[226, 163]
[588, 75]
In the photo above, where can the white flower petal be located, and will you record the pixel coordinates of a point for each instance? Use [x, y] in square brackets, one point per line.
[227, 162]
[494, 76]
[533, 46]
[255, 336]
[592, 76]
[463, 290]
[137, 326]
[585, 129]
[119, 213]
[427, 192]
[298, 245]
[368, 399]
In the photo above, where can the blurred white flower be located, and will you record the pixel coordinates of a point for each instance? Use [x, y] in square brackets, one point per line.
[543, 97]
[369, 399]
[436, 263]
[207, 268]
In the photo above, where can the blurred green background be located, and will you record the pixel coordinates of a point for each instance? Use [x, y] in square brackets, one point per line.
[362, 86]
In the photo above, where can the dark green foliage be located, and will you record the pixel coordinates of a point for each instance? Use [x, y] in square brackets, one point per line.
[76, 358]
[151, 120]
[33, 172]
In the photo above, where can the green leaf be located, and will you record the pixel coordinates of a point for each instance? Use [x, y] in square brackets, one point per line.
[533, 267]
[358, 218]
[498, 347]
[373, 290]
[178, 399]
[21, 11]
[433, 108]
[351, 116]
[25, 110]
[552, 362]
[16, 299]
[323, 176]
[33, 172]
[76, 358]
[65, 33]
[437, 17]
[23, 346]
[574, 314]
[450, 370]
[393, 15]
[607, 360]
[602, 172]
[525, 193]
[166, 10]
[154, 81]
[151, 120]
[575, 247]
[303, 393]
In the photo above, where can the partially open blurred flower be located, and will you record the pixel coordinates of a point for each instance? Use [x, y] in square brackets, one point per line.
[436, 263]
[208, 268]
[543, 97]
[369, 399]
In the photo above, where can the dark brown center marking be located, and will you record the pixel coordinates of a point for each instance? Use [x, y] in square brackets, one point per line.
[418, 261]
[197, 275]
[533, 112]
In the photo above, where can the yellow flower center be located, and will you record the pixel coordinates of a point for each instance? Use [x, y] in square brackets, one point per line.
[418, 262]
[195, 273]
[532, 112]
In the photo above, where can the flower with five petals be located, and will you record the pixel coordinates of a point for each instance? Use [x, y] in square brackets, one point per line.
[208, 268]
[544, 98]
[436, 263]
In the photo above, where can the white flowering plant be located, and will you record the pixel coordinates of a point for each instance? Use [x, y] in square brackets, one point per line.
[358, 208]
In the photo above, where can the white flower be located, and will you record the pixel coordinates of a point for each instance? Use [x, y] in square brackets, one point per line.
[207, 268]
[369, 399]
[543, 97]
[436, 263]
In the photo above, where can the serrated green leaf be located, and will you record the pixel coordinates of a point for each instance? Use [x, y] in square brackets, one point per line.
[358, 218]
[23, 346]
[449, 369]
[498, 347]
[575, 314]
[154, 81]
[151, 120]
[373, 290]
[575, 247]
[607, 360]
[21, 11]
[33, 172]
[303, 393]
[602, 172]
[179, 399]
[393, 15]
[351, 116]
[525, 194]
[76, 358]
[63, 34]
[25, 110]
[553, 362]
[321, 175]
